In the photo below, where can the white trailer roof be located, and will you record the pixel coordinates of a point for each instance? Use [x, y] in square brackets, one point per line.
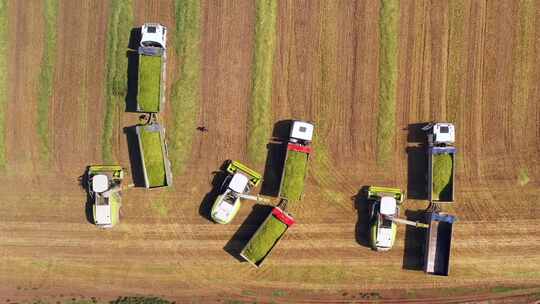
[388, 205]
[302, 130]
[103, 215]
[100, 183]
[238, 183]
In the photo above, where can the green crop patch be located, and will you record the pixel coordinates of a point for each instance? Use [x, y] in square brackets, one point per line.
[119, 28]
[292, 185]
[46, 77]
[186, 90]
[149, 83]
[442, 176]
[265, 239]
[260, 118]
[153, 157]
[4, 30]
[388, 71]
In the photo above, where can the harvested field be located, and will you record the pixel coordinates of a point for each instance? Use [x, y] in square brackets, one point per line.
[470, 62]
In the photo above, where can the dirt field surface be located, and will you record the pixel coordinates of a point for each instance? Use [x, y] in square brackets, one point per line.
[457, 62]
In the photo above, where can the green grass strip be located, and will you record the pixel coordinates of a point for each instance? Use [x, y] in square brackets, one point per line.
[119, 28]
[4, 30]
[260, 113]
[456, 58]
[149, 83]
[294, 176]
[388, 72]
[186, 90]
[327, 107]
[265, 239]
[442, 176]
[153, 157]
[46, 77]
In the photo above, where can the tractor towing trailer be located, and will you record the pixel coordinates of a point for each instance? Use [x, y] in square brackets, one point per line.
[152, 70]
[295, 166]
[441, 162]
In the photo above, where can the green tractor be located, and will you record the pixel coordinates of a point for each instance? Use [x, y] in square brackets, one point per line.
[104, 186]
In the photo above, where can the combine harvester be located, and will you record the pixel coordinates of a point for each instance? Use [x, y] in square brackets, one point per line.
[154, 155]
[441, 162]
[295, 166]
[104, 186]
[152, 71]
[384, 220]
[267, 236]
[384, 216]
[239, 181]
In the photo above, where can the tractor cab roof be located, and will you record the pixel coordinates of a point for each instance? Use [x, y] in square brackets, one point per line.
[100, 183]
[238, 183]
[388, 205]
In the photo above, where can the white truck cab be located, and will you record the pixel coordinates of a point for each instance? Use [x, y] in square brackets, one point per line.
[153, 35]
[443, 133]
[301, 131]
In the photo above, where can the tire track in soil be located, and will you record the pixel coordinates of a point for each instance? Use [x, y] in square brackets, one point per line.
[78, 85]
[22, 149]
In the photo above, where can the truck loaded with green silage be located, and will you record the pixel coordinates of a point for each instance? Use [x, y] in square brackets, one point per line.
[295, 166]
[441, 166]
[155, 162]
[151, 68]
[265, 239]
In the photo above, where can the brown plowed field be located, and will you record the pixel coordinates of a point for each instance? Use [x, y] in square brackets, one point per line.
[325, 70]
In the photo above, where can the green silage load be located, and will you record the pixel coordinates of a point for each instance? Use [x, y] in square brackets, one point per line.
[294, 176]
[442, 175]
[265, 239]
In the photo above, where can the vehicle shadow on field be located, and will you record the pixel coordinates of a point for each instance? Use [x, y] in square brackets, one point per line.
[133, 69]
[413, 254]
[240, 238]
[210, 197]
[83, 182]
[417, 162]
[135, 161]
[362, 205]
[275, 158]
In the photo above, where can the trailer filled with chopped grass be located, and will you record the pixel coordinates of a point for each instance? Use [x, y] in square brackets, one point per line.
[441, 174]
[154, 158]
[151, 76]
[266, 237]
[294, 172]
